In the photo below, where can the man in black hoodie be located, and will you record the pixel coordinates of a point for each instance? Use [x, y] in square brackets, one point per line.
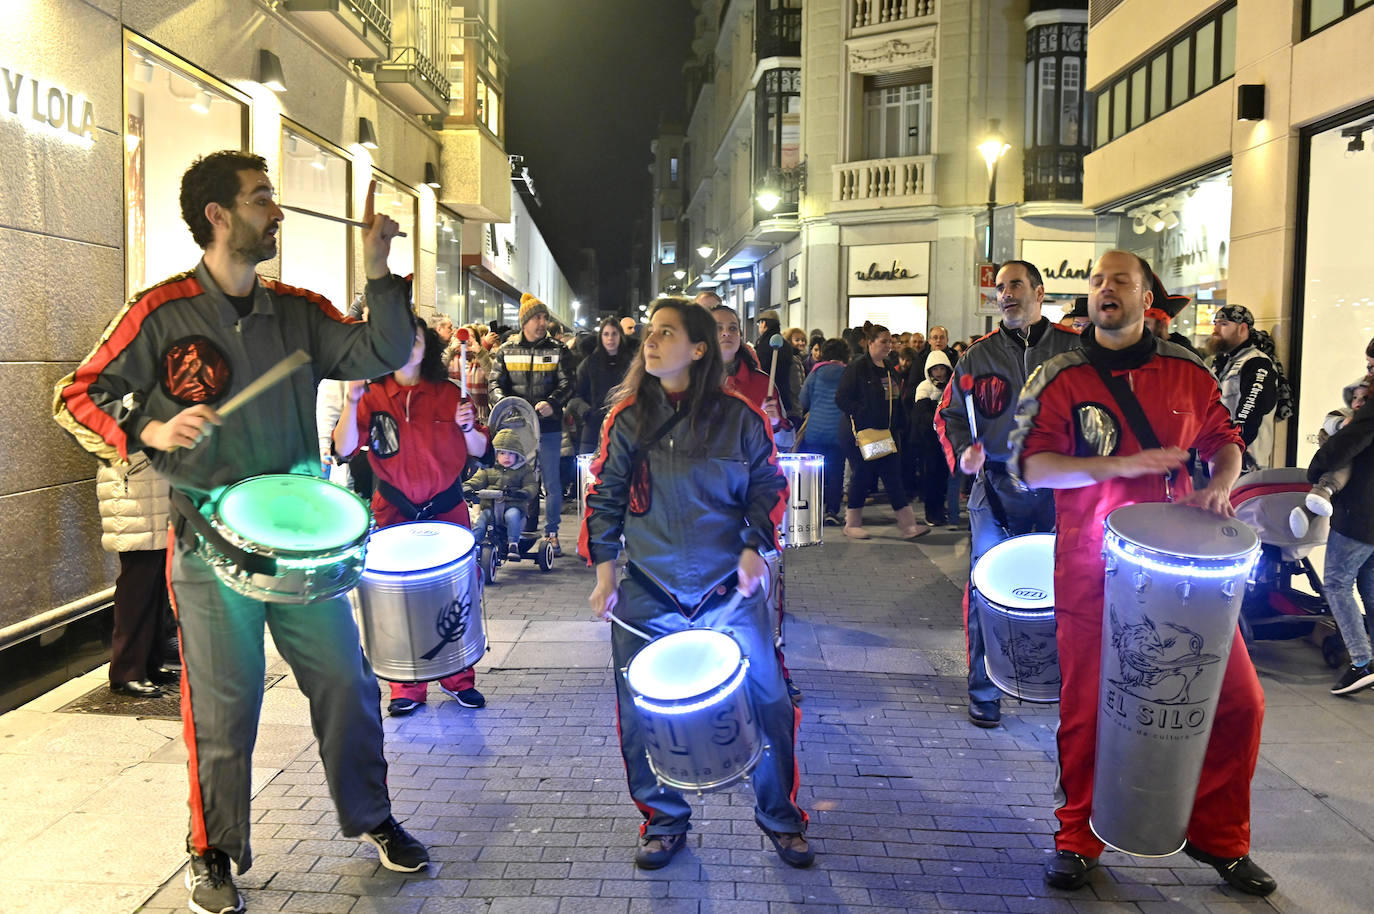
[788, 377]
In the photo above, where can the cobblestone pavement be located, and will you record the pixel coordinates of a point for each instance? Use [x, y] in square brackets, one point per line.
[524, 808]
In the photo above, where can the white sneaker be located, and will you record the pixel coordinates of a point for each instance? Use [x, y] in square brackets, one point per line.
[1317, 502]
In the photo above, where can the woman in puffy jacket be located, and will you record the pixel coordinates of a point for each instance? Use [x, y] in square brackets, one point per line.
[133, 523]
[821, 433]
[687, 474]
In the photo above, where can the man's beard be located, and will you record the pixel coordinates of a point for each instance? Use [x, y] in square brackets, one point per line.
[1217, 346]
[248, 245]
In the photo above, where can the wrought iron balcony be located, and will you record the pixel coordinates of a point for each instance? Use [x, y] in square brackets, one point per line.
[355, 29]
[1054, 173]
[878, 183]
[868, 14]
[414, 82]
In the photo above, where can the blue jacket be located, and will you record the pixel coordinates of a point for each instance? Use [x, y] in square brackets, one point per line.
[823, 416]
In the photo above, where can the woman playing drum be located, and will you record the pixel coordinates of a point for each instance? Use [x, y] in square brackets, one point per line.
[687, 474]
[419, 435]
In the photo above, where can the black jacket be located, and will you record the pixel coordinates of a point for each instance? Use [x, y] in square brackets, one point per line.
[862, 398]
[597, 376]
[536, 371]
[1352, 446]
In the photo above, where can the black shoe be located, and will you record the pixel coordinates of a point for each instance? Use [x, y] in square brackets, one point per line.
[833, 520]
[165, 677]
[793, 692]
[513, 553]
[656, 850]
[397, 848]
[400, 707]
[1240, 873]
[791, 846]
[985, 714]
[468, 698]
[212, 889]
[1069, 870]
[1355, 678]
[139, 688]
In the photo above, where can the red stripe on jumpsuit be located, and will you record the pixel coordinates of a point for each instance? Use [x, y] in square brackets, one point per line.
[945, 400]
[200, 841]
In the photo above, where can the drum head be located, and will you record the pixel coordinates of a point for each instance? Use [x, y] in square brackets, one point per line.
[1183, 531]
[684, 664]
[421, 545]
[1018, 573]
[293, 513]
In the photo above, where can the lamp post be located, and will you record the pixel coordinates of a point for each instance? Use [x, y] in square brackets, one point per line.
[992, 149]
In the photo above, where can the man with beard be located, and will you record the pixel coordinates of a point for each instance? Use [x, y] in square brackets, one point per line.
[134, 393]
[998, 507]
[1249, 380]
[1073, 435]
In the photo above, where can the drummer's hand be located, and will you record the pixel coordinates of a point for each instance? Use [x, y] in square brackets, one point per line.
[186, 429]
[751, 571]
[770, 409]
[604, 596]
[1153, 462]
[543, 408]
[377, 236]
[1216, 499]
[356, 389]
[973, 458]
[465, 415]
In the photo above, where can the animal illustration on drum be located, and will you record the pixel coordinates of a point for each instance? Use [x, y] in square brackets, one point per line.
[1156, 668]
[1032, 658]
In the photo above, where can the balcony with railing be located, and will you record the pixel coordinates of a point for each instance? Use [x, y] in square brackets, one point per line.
[883, 183]
[354, 29]
[413, 78]
[777, 29]
[870, 16]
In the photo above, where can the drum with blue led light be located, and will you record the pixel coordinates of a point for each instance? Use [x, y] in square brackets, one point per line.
[310, 534]
[1176, 576]
[689, 689]
[803, 519]
[1013, 594]
[419, 603]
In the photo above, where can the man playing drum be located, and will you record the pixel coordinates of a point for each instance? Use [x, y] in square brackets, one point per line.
[165, 362]
[997, 366]
[1077, 432]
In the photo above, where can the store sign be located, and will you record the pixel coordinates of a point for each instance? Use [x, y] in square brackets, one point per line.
[48, 107]
[889, 269]
[794, 278]
[985, 276]
[742, 276]
[1064, 265]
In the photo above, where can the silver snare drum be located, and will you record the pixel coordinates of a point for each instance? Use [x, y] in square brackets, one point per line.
[803, 520]
[1013, 593]
[419, 604]
[689, 689]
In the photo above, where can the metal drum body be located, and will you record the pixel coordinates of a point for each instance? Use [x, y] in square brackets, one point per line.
[1175, 580]
[699, 728]
[315, 532]
[803, 520]
[419, 604]
[584, 482]
[1013, 592]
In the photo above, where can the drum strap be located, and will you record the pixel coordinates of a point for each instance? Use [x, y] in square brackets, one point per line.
[251, 562]
[441, 503]
[1125, 398]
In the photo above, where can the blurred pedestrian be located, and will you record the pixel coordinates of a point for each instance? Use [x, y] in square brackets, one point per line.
[597, 377]
[821, 432]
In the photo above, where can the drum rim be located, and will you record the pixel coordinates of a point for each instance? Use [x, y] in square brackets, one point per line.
[1045, 606]
[741, 667]
[428, 569]
[249, 544]
[1228, 558]
[1235, 563]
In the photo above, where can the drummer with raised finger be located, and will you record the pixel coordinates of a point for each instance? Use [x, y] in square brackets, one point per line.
[167, 361]
[687, 475]
[1109, 425]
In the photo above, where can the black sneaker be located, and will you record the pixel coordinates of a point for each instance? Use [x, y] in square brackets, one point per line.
[1355, 678]
[212, 889]
[793, 692]
[397, 848]
[1240, 873]
[513, 552]
[468, 698]
[1068, 870]
[400, 707]
[833, 520]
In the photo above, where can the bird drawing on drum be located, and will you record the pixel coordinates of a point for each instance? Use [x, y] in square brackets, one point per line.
[1146, 666]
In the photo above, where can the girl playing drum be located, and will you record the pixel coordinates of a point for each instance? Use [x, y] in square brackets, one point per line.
[686, 473]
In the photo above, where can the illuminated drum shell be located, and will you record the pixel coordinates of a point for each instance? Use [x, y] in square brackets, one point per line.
[689, 689]
[419, 603]
[314, 530]
[1013, 593]
[584, 482]
[803, 518]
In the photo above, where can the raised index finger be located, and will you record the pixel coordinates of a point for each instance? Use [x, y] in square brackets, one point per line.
[369, 204]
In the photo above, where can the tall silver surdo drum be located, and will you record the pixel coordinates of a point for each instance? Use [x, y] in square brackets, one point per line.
[1175, 580]
[584, 481]
[1013, 593]
[419, 604]
[803, 519]
[699, 728]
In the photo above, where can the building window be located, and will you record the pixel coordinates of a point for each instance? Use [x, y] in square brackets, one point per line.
[1318, 14]
[1057, 110]
[399, 202]
[672, 171]
[448, 266]
[777, 130]
[668, 253]
[314, 253]
[1204, 56]
[898, 114]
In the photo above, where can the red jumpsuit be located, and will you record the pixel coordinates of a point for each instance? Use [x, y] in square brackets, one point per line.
[1066, 409]
[415, 445]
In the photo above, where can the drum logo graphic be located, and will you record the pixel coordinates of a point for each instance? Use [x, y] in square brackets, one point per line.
[1152, 691]
[1033, 660]
[451, 624]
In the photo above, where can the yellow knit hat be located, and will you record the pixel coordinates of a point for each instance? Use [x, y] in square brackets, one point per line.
[530, 306]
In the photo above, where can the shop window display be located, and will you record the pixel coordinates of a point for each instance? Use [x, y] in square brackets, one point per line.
[172, 115]
[314, 252]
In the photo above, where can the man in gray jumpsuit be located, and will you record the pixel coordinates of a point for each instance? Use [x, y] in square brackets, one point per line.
[152, 383]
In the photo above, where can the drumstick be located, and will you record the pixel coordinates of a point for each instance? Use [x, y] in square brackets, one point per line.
[729, 607]
[463, 334]
[775, 343]
[326, 216]
[966, 385]
[270, 378]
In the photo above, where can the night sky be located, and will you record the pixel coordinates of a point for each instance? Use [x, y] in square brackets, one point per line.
[588, 84]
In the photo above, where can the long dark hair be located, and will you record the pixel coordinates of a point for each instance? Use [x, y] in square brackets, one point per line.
[743, 352]
[613, 323]
[705, 375]
[432, 362]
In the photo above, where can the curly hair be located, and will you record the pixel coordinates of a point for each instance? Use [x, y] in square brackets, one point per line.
[213, 179]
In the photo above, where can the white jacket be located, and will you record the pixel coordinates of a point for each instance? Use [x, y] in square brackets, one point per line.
[133, 507]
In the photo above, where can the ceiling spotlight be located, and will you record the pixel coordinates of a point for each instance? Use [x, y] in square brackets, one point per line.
[291, 144]
[143, 70]
[367, 136]
[201, 103]
[270, 72]
[1155, 222]
[431, 175]
[318, 162]
[1171, 220]
[1356, 137]
[1138, 224]
[705, 250]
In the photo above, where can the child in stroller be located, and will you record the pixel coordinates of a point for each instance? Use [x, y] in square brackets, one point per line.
[508, 493]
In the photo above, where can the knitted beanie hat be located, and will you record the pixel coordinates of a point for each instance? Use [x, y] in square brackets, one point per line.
[530, 306]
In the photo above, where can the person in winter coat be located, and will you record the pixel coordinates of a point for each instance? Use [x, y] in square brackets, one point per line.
[686, 483]
[934, 472]
[742, 372]
[597, 377]
[823, 420]
[516, 479]
[133, 523]
[1318, 501]
[787, 378]
[868, 393]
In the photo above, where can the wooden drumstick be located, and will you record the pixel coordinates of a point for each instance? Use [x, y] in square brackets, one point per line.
[463, 334]
[269, 378]
[327, 217]
[775, 343]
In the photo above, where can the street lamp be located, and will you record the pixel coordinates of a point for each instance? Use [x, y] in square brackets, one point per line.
[705, 250]
[769, 195]
[992, 149]
[679, 274]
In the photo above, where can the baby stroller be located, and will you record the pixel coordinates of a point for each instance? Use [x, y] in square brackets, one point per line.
[1274, 609]
[518, 416]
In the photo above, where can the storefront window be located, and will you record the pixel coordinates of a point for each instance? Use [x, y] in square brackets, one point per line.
[314, 252]
[173, 115]
[898, 313]
[399, 202]
[1337, 310]
[448, 257]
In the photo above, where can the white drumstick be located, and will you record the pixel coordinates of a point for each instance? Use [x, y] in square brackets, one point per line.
[269, 378]
[327, 217]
